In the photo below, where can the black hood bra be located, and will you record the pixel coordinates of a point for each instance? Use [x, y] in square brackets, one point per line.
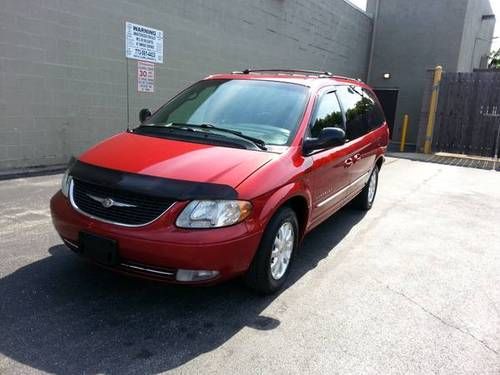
[149, 185]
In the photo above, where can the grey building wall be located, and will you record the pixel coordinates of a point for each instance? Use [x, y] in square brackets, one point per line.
[414, 36]
[477, 34]
[62, 65]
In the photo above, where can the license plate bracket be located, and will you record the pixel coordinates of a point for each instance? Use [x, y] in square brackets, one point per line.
[99, 249]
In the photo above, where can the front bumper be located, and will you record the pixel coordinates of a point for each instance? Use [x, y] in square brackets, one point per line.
[159, 249]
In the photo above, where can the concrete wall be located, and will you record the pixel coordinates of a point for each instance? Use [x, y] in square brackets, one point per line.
[477, 35]
[411, 37]
[62, 65]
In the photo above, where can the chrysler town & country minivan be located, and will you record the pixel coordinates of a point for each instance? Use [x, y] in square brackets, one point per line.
[226, 178]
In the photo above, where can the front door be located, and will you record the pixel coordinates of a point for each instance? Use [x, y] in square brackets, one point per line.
[329, 174]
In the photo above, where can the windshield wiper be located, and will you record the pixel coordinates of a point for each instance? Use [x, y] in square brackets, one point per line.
[190, 127]
[166, 126]
[256, 141]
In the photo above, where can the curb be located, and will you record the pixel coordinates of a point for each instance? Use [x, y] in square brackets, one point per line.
[32, 171]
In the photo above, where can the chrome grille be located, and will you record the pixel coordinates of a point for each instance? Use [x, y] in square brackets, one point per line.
[130, 209]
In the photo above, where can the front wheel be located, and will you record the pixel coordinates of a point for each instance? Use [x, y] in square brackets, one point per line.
[364, 200]
[271, 263]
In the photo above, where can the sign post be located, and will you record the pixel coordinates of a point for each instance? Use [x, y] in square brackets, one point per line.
[128, 101]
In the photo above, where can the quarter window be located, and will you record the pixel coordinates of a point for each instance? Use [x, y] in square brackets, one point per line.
[328, 115]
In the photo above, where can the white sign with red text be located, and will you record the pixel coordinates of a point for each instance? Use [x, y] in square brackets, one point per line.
[145, 76]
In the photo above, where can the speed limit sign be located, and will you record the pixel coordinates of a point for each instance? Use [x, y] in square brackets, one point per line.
[145, 76]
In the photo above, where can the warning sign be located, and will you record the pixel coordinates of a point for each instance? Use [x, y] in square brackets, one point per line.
[145, 76]
[143, 43]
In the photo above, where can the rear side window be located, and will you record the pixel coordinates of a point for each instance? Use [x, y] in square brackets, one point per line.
[328, 114]
[375, 114]
[361, 111]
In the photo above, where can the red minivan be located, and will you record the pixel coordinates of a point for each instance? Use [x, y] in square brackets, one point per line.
[226, 178]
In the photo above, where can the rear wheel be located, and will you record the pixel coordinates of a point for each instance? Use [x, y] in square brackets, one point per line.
[271, 263]
[364, 200]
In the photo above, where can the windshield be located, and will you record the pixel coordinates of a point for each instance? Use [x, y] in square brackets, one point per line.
[266, 110]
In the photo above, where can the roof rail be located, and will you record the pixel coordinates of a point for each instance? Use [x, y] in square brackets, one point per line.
[347, 78]
[304, 71]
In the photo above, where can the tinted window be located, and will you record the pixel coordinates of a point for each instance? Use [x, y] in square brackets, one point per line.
[374, 112]
[328, 114]
[362, 111]
[266, 110]
[355, 107]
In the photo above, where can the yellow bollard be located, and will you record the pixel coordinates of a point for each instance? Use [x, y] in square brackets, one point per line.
[432, 109]
[403, 134]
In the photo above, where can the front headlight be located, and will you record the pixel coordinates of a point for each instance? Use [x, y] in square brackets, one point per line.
[65, 183]
[213, 214]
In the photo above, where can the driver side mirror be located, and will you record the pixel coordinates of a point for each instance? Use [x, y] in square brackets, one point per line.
[328, 138]
[144, 114]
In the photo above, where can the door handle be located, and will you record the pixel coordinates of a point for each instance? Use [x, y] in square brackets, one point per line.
[348, 163]
[357, 157]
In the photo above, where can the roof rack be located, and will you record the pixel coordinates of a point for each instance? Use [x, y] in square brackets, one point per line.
[303, 71]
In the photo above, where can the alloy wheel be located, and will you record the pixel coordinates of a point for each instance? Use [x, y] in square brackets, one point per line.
[372, 186]
[282, 250]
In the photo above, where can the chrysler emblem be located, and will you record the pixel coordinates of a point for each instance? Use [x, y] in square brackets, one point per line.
[109, 202]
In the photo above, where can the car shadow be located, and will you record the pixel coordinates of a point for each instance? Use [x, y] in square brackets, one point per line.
[63, 315]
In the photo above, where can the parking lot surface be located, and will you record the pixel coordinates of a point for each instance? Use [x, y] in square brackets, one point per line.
[412, 286]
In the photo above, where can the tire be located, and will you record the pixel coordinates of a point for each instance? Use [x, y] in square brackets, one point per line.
[262, 276]
[364, 200]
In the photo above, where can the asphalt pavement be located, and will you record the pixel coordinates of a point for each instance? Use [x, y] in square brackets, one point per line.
[412, 286]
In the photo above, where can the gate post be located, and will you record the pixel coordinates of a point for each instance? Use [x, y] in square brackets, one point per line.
[438, 71]
[497, 145]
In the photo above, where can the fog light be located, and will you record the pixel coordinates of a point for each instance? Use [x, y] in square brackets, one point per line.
[195, 275]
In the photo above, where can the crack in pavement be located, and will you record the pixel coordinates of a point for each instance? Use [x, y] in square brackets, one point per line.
[482, 342]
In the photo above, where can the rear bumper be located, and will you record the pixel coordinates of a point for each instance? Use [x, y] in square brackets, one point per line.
[158, 250]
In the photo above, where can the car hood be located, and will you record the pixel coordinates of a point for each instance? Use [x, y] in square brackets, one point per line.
[174, 159]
